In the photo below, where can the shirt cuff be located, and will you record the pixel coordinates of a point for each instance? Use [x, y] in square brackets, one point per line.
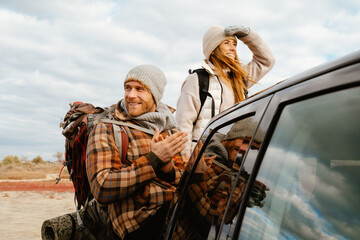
[167, 177]
[155, 162]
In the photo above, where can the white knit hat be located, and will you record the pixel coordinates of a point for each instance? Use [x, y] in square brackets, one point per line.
[211, 39]
[152, 77]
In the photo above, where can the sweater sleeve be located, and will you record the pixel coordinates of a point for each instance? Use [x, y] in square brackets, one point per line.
[187, 107]
[263, 60]
[109, 181]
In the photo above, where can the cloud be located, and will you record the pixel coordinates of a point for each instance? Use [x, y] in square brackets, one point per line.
[57, 52]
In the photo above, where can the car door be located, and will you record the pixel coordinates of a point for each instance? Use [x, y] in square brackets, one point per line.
[309, 161]
[199, 204]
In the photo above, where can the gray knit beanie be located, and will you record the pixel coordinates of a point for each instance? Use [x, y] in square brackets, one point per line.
[152, 77]
[211, 39]
[241, 129]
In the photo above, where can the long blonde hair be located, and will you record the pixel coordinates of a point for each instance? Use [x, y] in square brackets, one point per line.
[237, 77]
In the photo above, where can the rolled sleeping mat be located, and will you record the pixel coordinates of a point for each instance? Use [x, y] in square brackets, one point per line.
[60, 228]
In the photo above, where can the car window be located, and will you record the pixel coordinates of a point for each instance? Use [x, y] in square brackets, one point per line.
[311, 168]
[207, 195]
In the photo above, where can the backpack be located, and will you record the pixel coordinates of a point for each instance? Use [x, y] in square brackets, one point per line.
[203, 77]
[77, 124]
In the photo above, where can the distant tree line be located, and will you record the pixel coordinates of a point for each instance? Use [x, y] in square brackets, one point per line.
[13, 159]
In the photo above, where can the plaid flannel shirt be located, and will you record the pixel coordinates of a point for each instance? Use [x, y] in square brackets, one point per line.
[135, 192]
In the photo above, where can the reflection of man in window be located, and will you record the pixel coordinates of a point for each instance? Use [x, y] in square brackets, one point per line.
[211, 186]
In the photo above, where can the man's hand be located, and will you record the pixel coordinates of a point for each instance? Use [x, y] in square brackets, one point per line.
[166, 148]
[204, 164]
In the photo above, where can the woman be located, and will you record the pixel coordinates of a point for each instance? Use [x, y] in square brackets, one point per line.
[228, 78]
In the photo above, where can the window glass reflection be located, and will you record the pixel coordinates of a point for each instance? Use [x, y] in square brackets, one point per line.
[312, 170]
[201, 213]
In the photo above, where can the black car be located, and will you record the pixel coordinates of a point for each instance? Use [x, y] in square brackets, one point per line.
[284, 164]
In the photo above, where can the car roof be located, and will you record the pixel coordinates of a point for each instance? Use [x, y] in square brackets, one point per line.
[311, 73]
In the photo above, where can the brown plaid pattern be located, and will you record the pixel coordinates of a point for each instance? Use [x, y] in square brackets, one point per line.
[207, 199]
[133, 192]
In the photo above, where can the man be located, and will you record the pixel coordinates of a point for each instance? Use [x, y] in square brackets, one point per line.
[138, 189]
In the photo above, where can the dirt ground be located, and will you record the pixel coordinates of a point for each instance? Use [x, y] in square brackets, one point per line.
[25, 205]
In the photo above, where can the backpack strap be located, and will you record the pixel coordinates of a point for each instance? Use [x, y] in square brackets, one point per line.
[130, 125]
[99, 118]
[121, 140]
[203, 77]
[102, 118]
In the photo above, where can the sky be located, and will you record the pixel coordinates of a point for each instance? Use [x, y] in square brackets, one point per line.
[57, 52]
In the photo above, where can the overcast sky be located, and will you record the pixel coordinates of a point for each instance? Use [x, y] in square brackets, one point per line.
[56, 52]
